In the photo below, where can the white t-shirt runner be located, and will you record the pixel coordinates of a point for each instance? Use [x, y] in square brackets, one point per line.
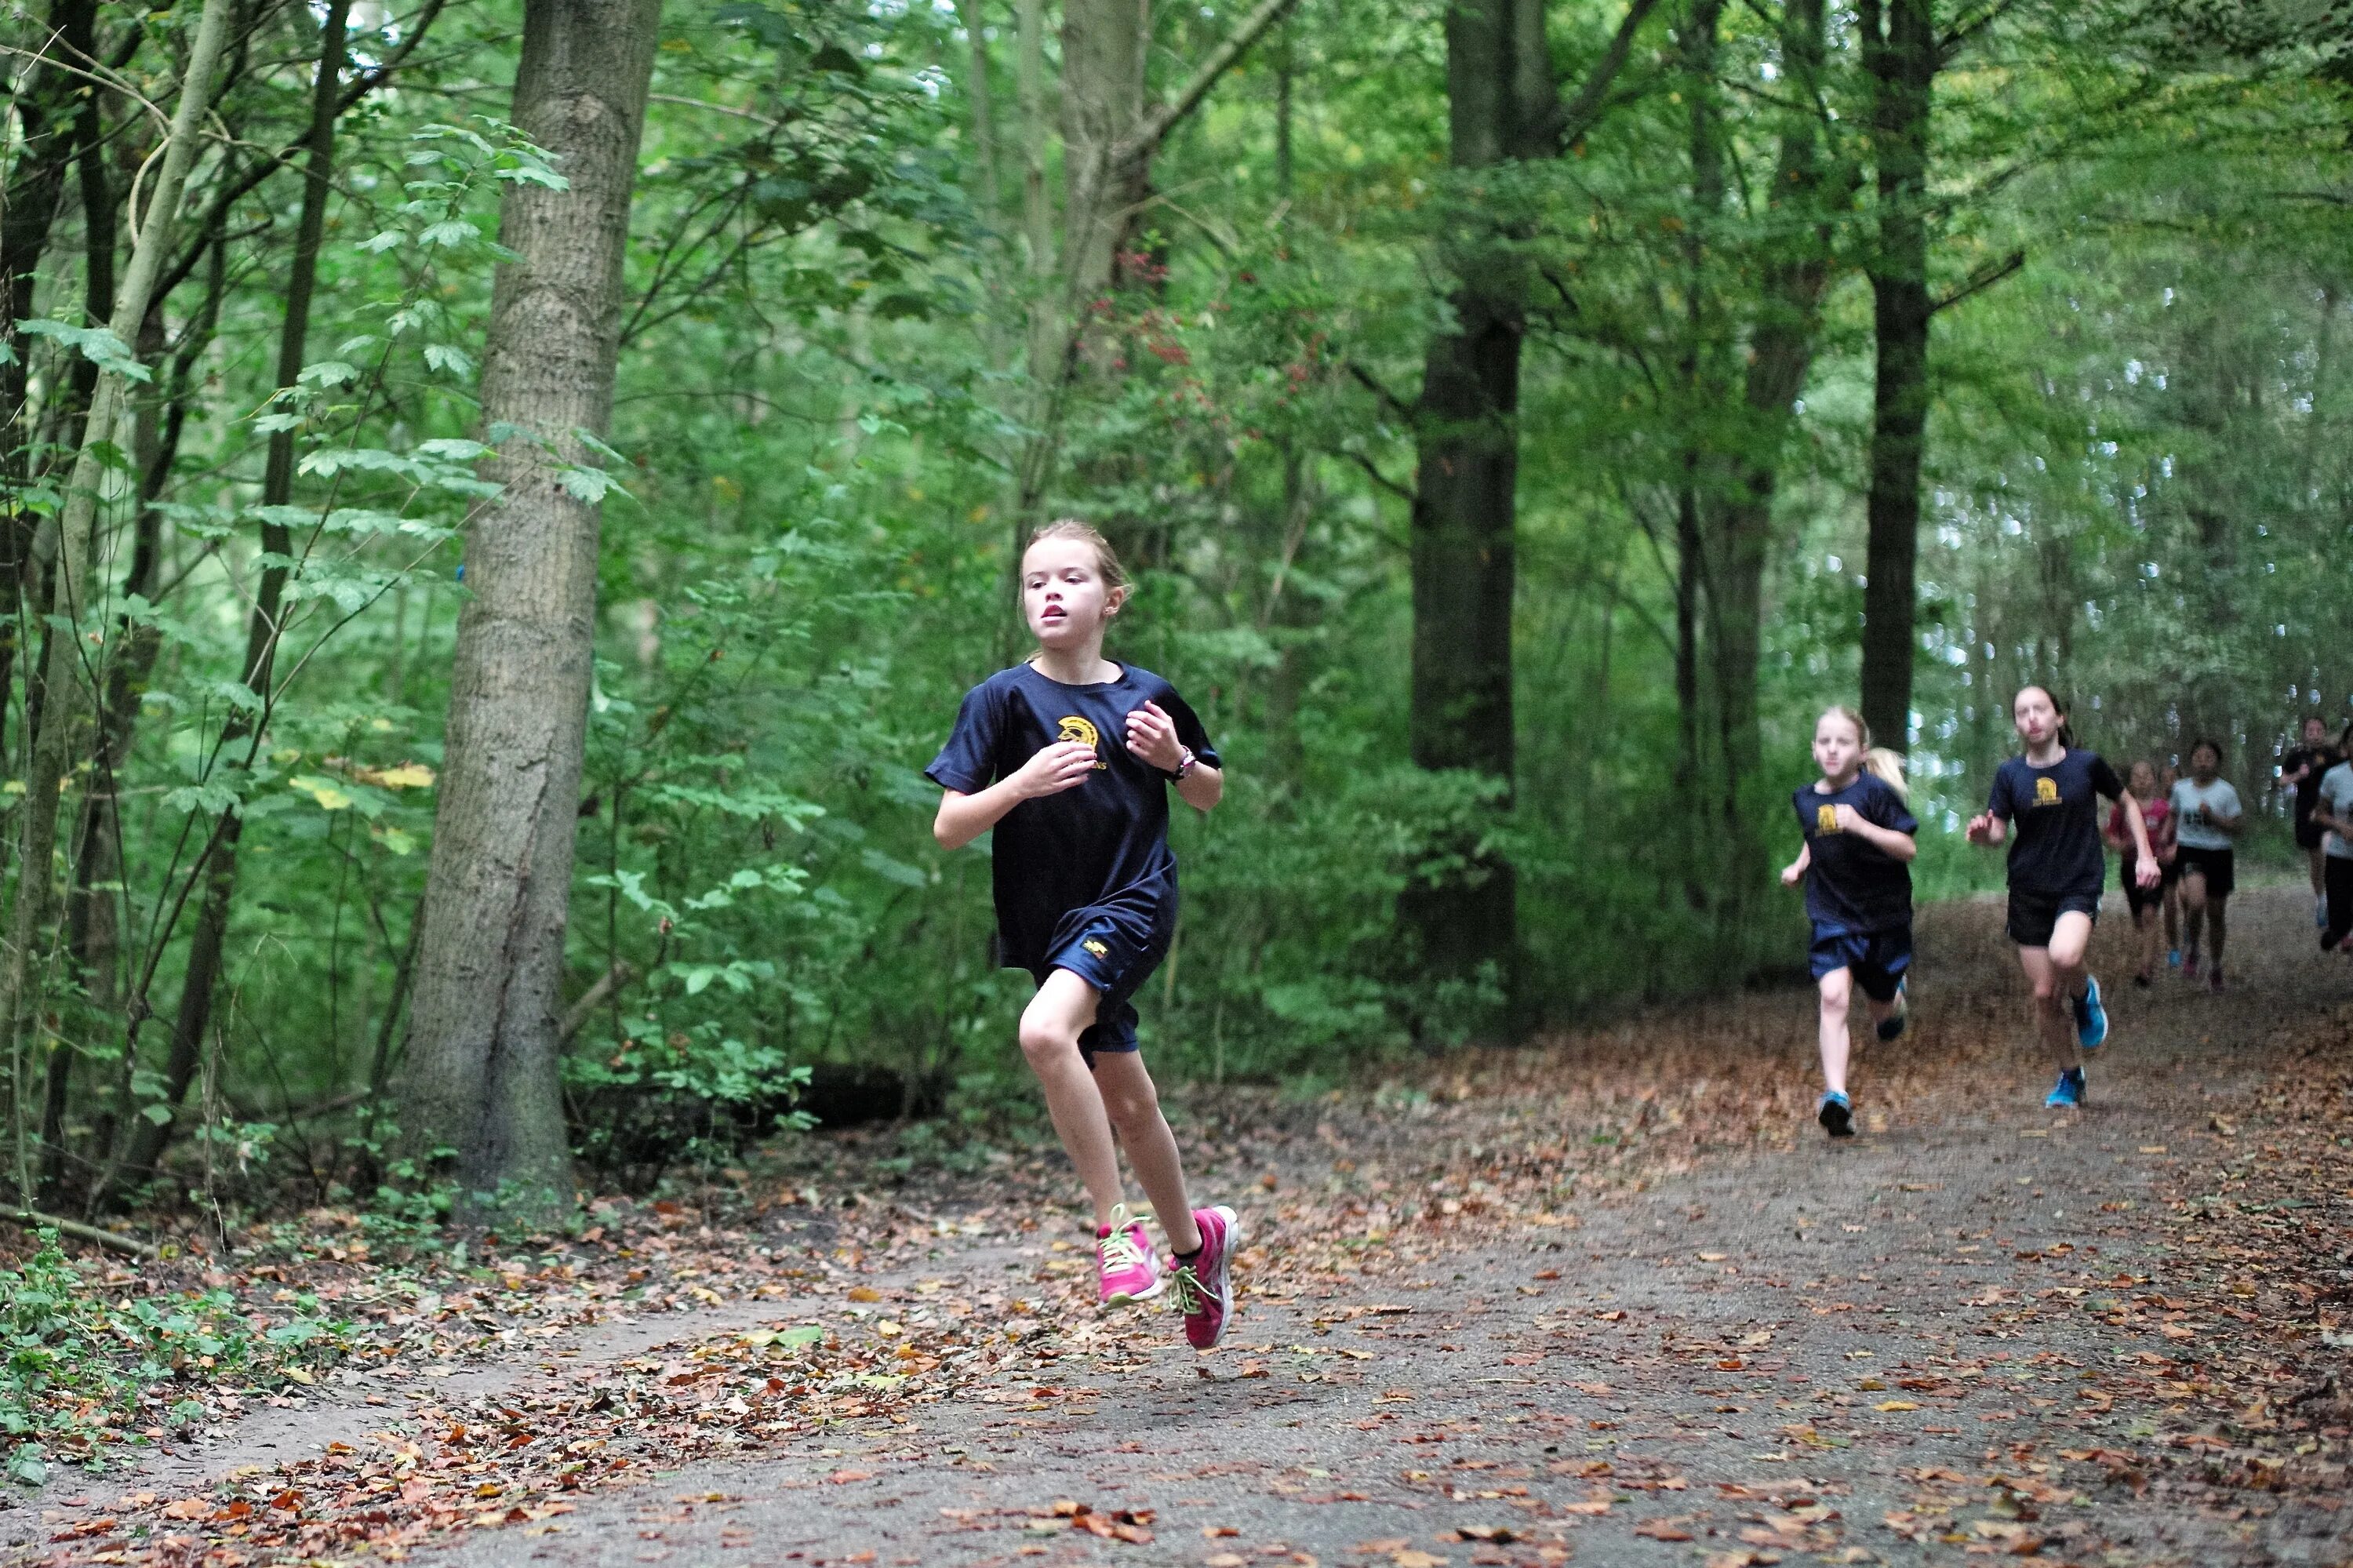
[2337, 789]
[2219, 798]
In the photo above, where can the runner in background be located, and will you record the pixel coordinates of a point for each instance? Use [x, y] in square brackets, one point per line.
[2144, 902]
[2302, 771]
[2334, 811]
[2207, 819]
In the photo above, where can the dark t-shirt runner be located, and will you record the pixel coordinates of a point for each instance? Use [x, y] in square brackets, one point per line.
[1852, 884]
[1096, 850]
[2321, 759]
[2054, 823]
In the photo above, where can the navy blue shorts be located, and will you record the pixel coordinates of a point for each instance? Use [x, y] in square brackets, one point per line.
[1104, 953]
[2034, 916]
[1877, 959]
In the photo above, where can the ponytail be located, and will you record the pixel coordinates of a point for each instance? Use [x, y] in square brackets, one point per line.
[1880, 762]
[1888, 765]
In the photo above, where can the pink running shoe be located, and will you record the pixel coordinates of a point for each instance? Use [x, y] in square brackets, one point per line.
[1205, 1286]
[2190, 967]
[1128, 1271]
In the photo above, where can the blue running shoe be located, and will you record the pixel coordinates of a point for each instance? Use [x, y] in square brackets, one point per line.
[2091, 1018]
[1891, 1025]
[2068, 1092]
[1836, 1115]
[2173, 958]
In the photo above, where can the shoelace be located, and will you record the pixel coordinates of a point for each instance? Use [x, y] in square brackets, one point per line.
[1119, 1250]
[1184, 1293]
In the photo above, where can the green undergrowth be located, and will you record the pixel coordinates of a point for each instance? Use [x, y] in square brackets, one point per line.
[96, 1359]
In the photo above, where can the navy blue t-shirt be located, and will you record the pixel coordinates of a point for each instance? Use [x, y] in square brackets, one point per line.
[1097, 850]
[1851, 883]
[2055, 828]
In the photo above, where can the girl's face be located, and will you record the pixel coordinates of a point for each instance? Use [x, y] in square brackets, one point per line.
[2144, 781]
[2203, 763]
[2315, 732]
[1064, 596]
[1836, 745]
[2037, 717]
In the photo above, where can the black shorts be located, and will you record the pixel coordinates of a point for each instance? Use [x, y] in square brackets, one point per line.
[1877, 959]
[2215, 865]
[1105, 954]
[2308, 833]
[2137, 898]
[2034, 916]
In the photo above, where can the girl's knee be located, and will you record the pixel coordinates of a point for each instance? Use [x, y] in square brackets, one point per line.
[1046, 1041]
[1837, 992]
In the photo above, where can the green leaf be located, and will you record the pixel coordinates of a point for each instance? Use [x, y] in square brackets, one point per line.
[97, 344]
[587, 485]
[160, 1113]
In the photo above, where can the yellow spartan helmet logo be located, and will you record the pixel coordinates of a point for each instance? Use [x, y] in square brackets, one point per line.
[1826, 819]
[1085, 734]
[2046, 791]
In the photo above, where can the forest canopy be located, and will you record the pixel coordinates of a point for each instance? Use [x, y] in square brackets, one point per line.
[1521, 420]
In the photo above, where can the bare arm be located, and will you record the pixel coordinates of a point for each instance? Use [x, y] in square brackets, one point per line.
[964, 818]
[1152, 736]
[1901, 846]
[1793, 872]
[2144, 870]
[1203, 787]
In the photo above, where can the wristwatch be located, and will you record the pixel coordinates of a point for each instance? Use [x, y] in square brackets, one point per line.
[1185, 761]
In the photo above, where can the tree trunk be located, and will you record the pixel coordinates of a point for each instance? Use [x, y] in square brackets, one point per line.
[1501, 104]
[207, 943]
[482, 1069]
[50, 130]
[1780, 353]
[1703, 391]
[55, 732]
[1104, 43]
[1900, 51]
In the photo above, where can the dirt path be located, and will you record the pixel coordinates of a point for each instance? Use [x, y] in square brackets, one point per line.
[1541, 1313]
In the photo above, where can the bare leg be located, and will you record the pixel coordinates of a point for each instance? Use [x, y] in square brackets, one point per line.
[2173, 915]
[1836, 989]
[2148, 923]
[2318, 858]
[2216, 934]
[1051, 1025]
[2056, 973]
[1133, 1106]
[2193, 910]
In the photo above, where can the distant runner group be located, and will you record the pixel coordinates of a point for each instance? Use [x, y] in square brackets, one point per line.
[2174, 838]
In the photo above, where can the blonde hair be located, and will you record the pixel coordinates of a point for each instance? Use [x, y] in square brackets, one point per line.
[1115, 576]
[1878, 761]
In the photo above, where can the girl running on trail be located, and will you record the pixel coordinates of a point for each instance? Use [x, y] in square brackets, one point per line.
[2302, 771]
[2048, 799]
[2206, 817]
[1070, 757]
[2334, 811]
[1856, 864]
[2144, 902]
